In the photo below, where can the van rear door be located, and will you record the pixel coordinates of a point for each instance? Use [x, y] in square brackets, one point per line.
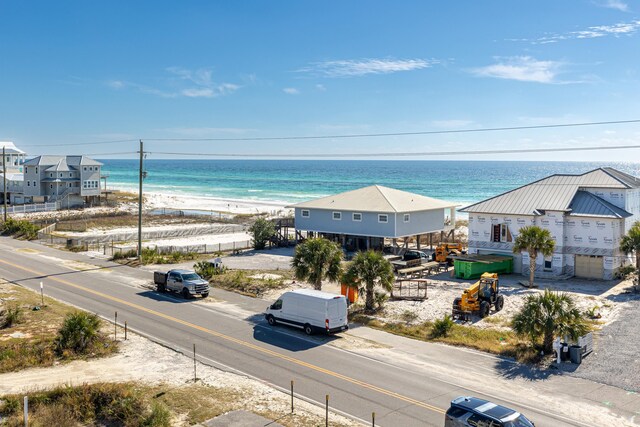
[337, 313]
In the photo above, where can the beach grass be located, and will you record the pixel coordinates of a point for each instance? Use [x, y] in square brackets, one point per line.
[495, 341]
[247, 283]
[30, 341]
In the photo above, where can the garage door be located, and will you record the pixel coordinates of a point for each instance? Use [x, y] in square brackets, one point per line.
[589, 266]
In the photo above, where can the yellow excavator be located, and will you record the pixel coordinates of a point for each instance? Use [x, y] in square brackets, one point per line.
[478, 298]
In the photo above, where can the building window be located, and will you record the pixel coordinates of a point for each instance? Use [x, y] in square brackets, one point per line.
[305, 213]
[383, 218]
[51, 186]
[70, 175]
[357, 217]
[34, 183]
[60, 174]
[85, 168]
[36, 170]
[50, 175]
[28, 183]
[337, 216]
[407, 217]
[26, 169]
[547, 264]
[501, 233]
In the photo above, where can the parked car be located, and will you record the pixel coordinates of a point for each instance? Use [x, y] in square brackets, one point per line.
[186, 282]
[410, 255]
[474, 412]
[310, 310]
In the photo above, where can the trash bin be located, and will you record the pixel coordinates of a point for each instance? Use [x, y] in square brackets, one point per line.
[575, 354]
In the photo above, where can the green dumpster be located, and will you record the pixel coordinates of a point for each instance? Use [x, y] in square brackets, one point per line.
[473, 267]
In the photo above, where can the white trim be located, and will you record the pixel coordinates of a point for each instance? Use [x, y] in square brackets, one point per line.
[337, 217]
[406, 218]
[353, 216]
[386, 218]
[302, 213]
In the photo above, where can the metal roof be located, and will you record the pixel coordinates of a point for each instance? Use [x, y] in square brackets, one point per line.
[554, 193]
[10, 148]
[587, 204]
[73, 161]
[376, 198]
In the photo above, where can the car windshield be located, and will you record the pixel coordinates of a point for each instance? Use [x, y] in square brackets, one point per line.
[521, 421]
[190, 276]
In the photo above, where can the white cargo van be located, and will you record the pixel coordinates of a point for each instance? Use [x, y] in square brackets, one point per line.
[310, 310]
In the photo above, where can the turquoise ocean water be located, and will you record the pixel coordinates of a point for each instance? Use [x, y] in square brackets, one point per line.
[291, 181]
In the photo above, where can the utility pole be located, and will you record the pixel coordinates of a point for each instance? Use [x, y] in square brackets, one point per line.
[140, 202]
[4, 179]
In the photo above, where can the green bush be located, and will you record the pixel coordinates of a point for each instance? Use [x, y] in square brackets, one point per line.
[152, 256]
[10, 316]
[19, 228]
[79, 332]
[262, 230]
[380, 299]
[207, 270]
[624, 272]
[442, 327]
[131, 253]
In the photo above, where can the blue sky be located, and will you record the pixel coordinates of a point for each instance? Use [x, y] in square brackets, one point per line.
[77, 72]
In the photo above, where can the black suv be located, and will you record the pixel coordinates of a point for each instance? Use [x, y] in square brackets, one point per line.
[474, 412]
[410, 255]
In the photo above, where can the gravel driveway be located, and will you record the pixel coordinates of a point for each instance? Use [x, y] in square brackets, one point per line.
[615, 360]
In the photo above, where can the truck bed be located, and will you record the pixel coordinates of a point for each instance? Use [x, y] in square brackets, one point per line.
[159, 278]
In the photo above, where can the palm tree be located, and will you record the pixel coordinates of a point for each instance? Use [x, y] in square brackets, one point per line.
[549, 315]
[630, 243]
[317, 259]
[534, 239]
[367, 270]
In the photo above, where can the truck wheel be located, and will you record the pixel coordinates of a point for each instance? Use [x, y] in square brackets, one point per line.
[499, 303]
[162, 289]
[308, 329]
[484, 309]
[185, 293]
[271, 320]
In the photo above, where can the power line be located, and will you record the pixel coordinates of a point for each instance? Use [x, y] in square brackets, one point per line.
[408, 154]
[374, 135]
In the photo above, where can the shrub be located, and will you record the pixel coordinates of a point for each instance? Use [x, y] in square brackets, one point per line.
[10, 316]
[131, 253]
[20, 228]
[409, 316]
[624, 272]
[207, 270]
[78, 334]
[262, 230]
[159, 416]
[442, 327]
[380, 298]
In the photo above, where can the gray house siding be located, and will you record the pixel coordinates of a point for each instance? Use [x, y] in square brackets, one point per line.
[321, 220]
[420, 222]
[90, 174]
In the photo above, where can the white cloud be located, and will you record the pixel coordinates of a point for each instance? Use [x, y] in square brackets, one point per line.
[321, 87]
[598, 31]
[361, 67]
[183, 83]
[116, 84]
[615, 4]
[291, 91]
[522, 68]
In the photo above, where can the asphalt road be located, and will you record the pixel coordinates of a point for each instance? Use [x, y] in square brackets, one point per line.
[357, 385]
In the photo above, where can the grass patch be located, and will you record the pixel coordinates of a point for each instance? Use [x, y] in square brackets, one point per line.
[19, 228]
[501, 342]
[241, 282]
[34, 338]
[110, 404]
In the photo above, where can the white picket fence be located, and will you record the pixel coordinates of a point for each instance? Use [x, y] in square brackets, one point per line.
[32, 207]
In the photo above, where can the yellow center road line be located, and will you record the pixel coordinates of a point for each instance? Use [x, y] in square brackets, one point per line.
[237, 341]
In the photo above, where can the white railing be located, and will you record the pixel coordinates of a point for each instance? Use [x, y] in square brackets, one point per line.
[33, 207]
